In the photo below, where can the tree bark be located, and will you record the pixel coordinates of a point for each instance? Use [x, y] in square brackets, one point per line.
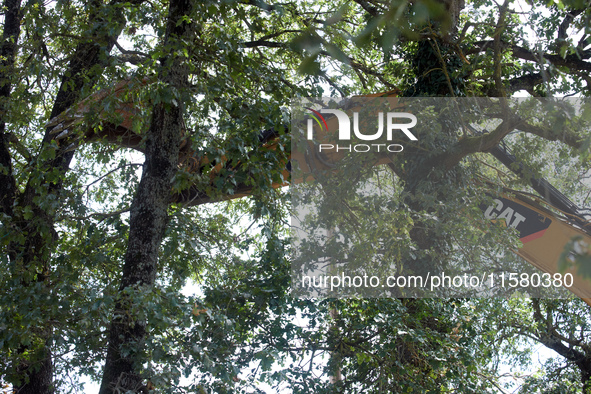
[35, 370]
[10, 36]
[148, 218]
[549, 337]
[39, 378]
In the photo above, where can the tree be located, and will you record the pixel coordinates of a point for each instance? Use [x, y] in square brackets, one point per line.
[31, 225]
[85, 284]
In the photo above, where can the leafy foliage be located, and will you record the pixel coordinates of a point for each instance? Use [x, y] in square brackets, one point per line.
[65, 224]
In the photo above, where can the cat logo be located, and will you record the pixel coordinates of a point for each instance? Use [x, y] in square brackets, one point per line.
[530, 224]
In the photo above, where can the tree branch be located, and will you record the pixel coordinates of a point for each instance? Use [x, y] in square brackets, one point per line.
[279, 33]
[568, 19]
[128, 52]
[497, 57]
[525, 82]
[572, 62]
[263, 43]
[571, 139]
[371, 10]
[481, 143]
[550, 340]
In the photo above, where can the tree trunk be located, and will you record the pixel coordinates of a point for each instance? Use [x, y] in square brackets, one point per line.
[10, 35]
[148, 218]
[35, 368]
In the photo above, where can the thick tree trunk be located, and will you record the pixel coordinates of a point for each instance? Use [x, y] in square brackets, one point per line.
[39, 378]
[148, 218]
[147, 225]
[35, 371]
[10, 35]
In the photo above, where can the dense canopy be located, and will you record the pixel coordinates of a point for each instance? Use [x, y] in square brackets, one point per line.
[109, 209]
